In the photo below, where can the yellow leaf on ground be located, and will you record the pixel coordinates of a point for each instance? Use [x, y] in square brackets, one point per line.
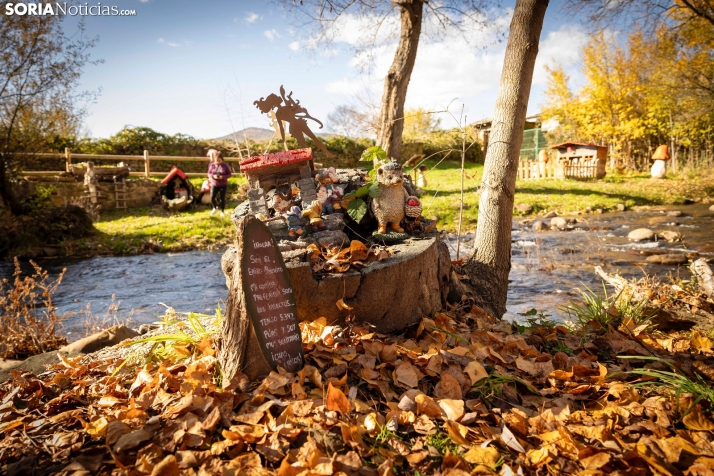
[701, 342]
[453, 409]
[336, 400]
[595, 461]
[486, 456]
[342, 306]
[427, 406]
[475, 371]
[97, 427]
[696, 420]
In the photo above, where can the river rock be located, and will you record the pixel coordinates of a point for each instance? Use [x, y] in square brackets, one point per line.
[558, 222]
[539, 225]
[105, 338]
[550, 215]
[711, 209]
[621, 207]
[670, 235]
[675, 213]
[668, 259]
[332, 238]
[525, 208]
[641, 234]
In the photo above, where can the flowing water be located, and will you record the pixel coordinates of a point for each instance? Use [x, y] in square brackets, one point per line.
[546, 267]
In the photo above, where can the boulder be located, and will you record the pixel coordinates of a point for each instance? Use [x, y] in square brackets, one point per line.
[390, 295]
[711, 209]
[539, 225]
[558, 222]
[621, 207]
[550, 215]
[675, 213]
[525, 208]
[641, 234]
[668, 259]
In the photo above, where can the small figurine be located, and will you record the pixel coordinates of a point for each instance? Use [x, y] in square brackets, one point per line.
[91, 181]
[313, 213]
[295, 227]
[660, 157]
[412, 208]
[388, 206]
[281, 204]
[328, 193]
[421, 178]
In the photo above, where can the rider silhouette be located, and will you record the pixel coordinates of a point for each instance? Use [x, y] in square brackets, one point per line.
[289, 110]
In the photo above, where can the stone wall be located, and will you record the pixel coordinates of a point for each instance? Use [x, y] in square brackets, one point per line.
[139, 192]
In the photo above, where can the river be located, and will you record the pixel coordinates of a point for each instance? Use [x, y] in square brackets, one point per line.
[546, 267]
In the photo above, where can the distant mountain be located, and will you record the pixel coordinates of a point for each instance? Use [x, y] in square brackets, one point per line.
[258, 134]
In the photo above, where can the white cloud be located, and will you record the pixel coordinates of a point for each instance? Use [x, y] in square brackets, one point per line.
[144, 1]
[295, 45]
[168, 43]
[271, 34]
[251, 17]
[451, 67]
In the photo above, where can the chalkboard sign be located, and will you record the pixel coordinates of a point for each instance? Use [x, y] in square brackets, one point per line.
[269, 298]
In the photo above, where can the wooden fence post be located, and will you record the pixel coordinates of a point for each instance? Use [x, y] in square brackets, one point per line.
[68, 159]
[147, 166]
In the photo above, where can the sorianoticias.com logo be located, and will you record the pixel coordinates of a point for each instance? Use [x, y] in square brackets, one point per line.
[63, 8]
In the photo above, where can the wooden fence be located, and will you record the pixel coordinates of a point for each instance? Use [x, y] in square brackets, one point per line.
[71, 158]
[534, 170]
[580, 170]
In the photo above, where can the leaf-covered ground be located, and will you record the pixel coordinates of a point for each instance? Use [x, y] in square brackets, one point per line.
[460, 394]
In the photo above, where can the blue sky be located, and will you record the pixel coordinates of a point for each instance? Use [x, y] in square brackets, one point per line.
[196, 67]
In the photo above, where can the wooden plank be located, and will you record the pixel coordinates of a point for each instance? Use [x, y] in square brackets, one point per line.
[43, 172]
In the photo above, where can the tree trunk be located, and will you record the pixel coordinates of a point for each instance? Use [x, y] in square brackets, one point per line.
[6, 193]
[490, 262]
[391, 117]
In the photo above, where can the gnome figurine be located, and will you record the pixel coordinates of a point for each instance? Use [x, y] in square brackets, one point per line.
[660, 157]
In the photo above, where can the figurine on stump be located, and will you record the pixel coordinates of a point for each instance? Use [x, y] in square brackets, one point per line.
[328, 193]
[314, 214]
[660, 157]
[294, 215]
[388, 205]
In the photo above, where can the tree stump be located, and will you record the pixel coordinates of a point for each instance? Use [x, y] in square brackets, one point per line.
[390, 295]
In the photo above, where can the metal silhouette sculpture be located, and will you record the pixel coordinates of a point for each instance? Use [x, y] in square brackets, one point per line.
[289, 110]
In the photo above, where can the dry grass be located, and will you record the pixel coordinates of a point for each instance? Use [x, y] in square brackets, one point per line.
[28, 321]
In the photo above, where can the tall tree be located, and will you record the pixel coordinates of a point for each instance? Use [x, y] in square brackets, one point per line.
[490, 263]
[325, 20]
[39, 70]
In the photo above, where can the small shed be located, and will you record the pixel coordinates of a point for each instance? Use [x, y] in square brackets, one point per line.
[266, 172]
[580, 160]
